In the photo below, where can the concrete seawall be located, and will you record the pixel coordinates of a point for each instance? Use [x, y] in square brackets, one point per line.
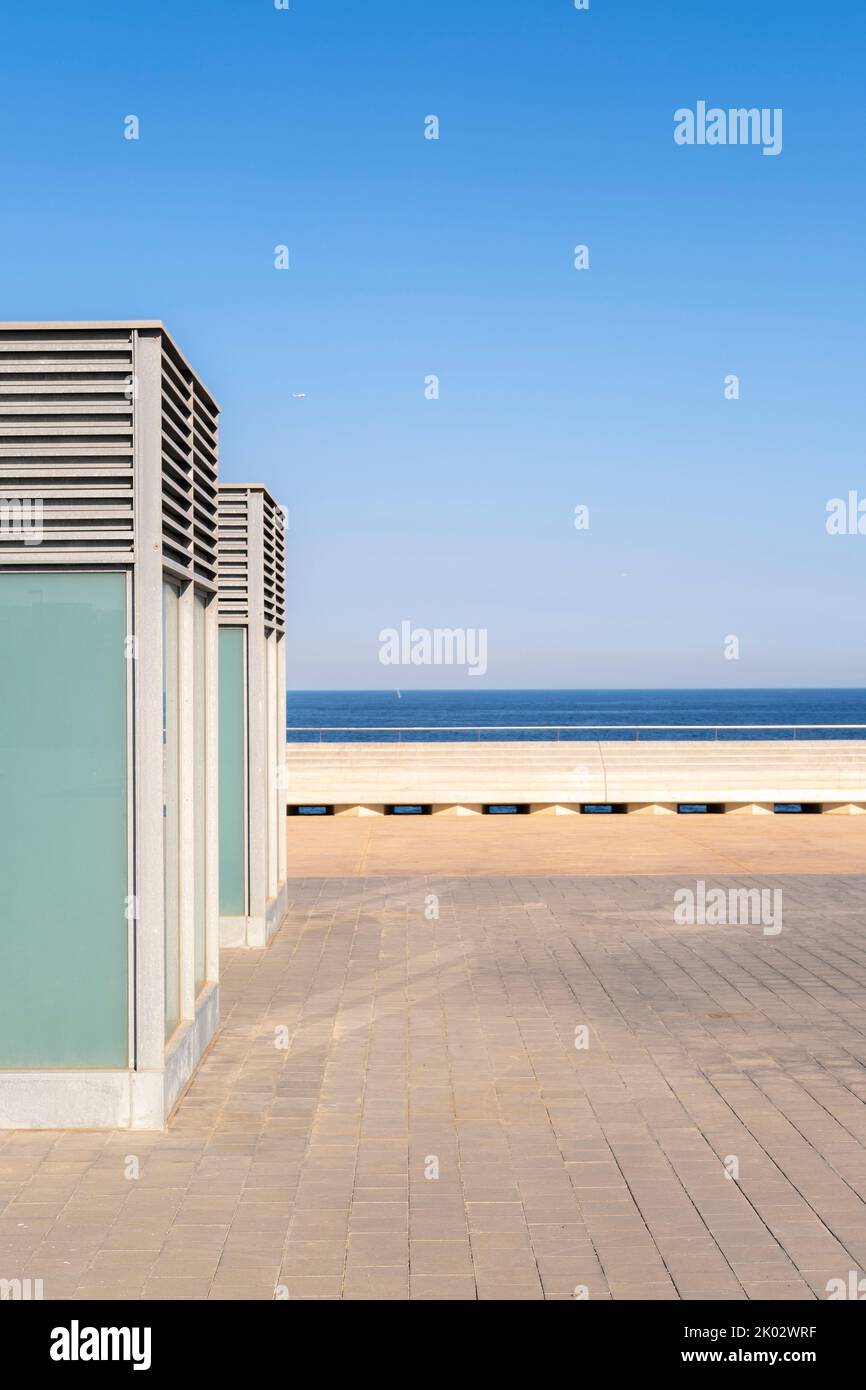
[643, 777]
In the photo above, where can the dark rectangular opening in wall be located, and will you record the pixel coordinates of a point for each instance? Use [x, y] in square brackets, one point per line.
[506, 810]
[601, 809]
[408, 810]
[788, 808]
[698, 808]
[309, 810]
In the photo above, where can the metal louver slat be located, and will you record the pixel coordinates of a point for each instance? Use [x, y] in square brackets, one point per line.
[177, 481]
[204, 459]
[66, 445]
[233, 595]
[235, 520]
[275, 566]
[68, 442]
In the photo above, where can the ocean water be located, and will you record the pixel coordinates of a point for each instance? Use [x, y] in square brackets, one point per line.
[365, 711]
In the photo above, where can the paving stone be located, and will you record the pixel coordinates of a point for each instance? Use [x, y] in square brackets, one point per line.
[433, 1132]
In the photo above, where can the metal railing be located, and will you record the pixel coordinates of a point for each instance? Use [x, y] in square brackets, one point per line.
[443, 731]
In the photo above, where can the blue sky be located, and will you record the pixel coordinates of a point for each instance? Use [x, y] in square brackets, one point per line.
[412, 257]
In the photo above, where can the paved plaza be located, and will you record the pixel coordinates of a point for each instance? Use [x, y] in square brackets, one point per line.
[595, 845]
[396, 1107]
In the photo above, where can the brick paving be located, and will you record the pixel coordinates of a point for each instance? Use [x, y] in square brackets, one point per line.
[395, 1107]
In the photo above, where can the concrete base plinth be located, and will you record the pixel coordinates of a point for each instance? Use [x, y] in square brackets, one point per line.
[254, 932]
[463, 809]
[843, 808]
[359, 810]
[641, 774]
[748, 808]
[114, 1098]
[557, 808]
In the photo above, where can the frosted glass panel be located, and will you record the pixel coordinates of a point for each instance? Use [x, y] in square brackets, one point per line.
[200, 788]
[232, 751]
[63, 821]
[171, 803]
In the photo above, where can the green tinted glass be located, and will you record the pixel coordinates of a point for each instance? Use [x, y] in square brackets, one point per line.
[63, 821]
[232, 747]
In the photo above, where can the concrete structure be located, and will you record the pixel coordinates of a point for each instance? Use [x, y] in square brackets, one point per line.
[252, 662]
[652, 777]
[108, 830]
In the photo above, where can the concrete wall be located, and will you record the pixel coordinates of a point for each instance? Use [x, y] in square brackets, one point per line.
[545, 775]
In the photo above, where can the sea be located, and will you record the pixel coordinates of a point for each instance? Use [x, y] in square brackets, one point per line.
[346, 716]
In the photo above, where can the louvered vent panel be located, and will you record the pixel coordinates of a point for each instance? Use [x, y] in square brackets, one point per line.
[233, 553]
[177, 469]
[66, 477]
[205, 519]
[275, 566]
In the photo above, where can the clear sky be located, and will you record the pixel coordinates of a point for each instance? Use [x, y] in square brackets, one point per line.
[410, 257]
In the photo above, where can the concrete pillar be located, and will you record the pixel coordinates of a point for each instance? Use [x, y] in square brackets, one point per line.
[359, 810]
[126, 1078]
[186, 799]
[748, 808]
[555, 808]
[252, 602]
[463, 809]
[280, 753]
[651, 808]
[843, 808]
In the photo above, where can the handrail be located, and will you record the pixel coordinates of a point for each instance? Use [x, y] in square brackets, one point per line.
[397, 731]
